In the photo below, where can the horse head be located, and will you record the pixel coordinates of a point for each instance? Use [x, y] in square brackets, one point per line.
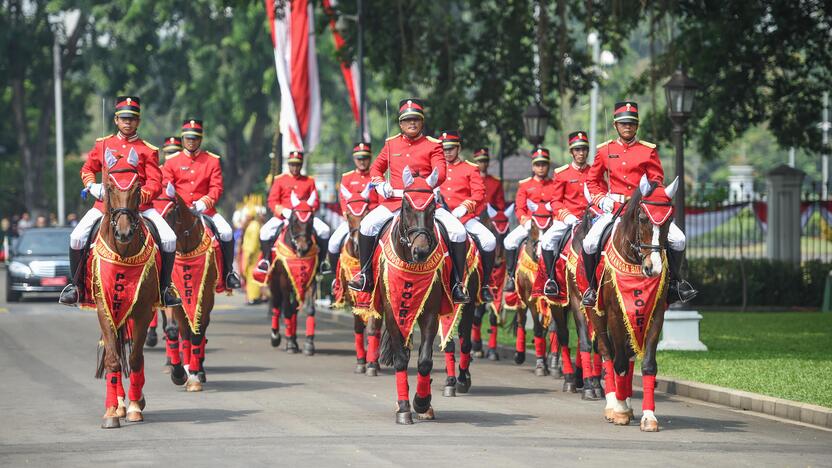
[646, 223]
[358, 205]
[498, 221]
[300, 224]
[122, 194]
[184, 221]
[541, 218]
[416, 224]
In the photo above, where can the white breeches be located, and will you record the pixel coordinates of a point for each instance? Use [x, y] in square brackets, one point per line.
[223, 228]
[270, 228]
[675, 237]
[549, 240]
[485, 237]
[337, 238]
[372, 223]
[78, 237]
[516, 236]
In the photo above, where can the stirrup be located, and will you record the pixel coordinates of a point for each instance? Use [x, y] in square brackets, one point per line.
[359, 283]
[232, 280]
[459, 295]
[169, 299]
[263, 265]
[590, 297]
[509, 286]
[681, 291]
[485, 293]
[69, 295]
[551, 288]
[326, 268]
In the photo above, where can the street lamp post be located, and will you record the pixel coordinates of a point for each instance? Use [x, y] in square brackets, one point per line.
[535, 120]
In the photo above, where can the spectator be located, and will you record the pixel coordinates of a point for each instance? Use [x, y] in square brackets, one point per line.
[53, 219]
[72, 220]
[24, 223]
[41, 222]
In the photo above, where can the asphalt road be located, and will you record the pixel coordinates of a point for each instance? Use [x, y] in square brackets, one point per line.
[262, 407]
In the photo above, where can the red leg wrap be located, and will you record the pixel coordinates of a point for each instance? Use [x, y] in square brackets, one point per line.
[566, 360]
[195, 361]
[492, 337]
[609, 377]
[520, 345]
[155, 320]
[401, 385]
[111, 395]
[372, 348]
[586, 363]
[630, 379]
[310, 325]
[476, 333]
[539, 347]
[621, 387]
[553, 342]
[120, 387]
[360, 353]
[136, 384]
[596, 365]
[185, 349]
[295, 324]
[450, 367]
[173, 352]
[275, 319]
[288, 323]
[422, 385]
[464, 360]
[648, 382]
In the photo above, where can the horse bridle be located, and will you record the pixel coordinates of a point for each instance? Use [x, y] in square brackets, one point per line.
[114, 213]
[638, 244]
[292, 235]
[176, 220]
[415, 232]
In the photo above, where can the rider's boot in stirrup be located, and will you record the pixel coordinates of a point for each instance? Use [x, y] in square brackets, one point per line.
[679, 289]
[459, 293]
[71, 293]
[266, 249]
[325, 265]
[232, 280]
[551, 286]
[169, 299]
[590, 264]
[487, 268]
[511, 265]
[363, 281]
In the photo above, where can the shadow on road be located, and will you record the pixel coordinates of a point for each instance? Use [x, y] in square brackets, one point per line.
[670, 423]
[245, 385]
[490, 390]
[236, 369]
[336, 352]
[480, 418]
[197, 415]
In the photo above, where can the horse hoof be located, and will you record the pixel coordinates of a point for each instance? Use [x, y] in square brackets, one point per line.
[589, 394]
[492, 355]
[649, 425]
[372, 371]
[427, 415]
[478, 354]
[404, 418]
[621, 419]
[570, 387]
[540, 369]
[167, 368]
[555, 372]
[360, 368]
[599, 393]
[178, 375]
[608, 414]
[463, 385]
[121, 410]
[201, 376]
[275, 339]
[193, 384]
[519, 358]
[134, 416]
[110, 422]
[449, 391]
[309, 348]
[152, 338]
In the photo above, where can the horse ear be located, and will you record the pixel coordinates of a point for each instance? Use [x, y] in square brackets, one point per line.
[509, 212]
[345, 193]
[110, 158]
[587, 195]
[313, 197]
[644, 186]
[670, 190]
[407, 176]
[532, 206]
[170, 190]
[294, 198]
[433, 178]
[548, 206]
[491, 211]
[133, 157]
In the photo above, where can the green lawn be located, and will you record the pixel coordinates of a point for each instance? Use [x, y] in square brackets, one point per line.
[786, 355]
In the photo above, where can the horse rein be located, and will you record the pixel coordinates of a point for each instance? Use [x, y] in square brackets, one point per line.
[114, 213]
[409, 235]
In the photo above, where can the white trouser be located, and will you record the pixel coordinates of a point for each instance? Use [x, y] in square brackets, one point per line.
[78, 237]
[675, 236]
[372, 223]
[516, 236]
[223, 228]
[337, 237]
[485, 237]
[549, 240]
[270, 228]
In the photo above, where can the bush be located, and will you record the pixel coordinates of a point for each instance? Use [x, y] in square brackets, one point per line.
[769, 283]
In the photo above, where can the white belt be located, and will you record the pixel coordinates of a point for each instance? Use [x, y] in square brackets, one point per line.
[617, 197]
[398, 193]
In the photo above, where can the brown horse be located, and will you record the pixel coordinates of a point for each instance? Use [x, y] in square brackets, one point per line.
[196, 273]
[296, 251]
[638, 246]
[366, 358]
[462, 382]
[123, 237]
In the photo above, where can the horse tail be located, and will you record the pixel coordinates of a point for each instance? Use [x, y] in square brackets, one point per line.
[124, 346]
[390, 354]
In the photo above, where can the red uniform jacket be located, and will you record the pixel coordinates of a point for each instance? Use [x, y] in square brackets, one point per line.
[149, 174]
[625, 164]
[423, 155]
[280, 195]
[568, 195]
[195, 177]
[355, 182]
[464, 186]
[538, 191]
[494, 194]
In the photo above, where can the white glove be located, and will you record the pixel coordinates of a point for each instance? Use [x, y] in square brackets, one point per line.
[200, 206]
[385, 190]
[606, 204]
[571, 219]
[460, 211]
[96, 190]
[287, 213]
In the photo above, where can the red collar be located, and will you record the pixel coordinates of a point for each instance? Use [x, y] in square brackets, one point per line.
[579, 169]
[131, 138]
[192, 155]
[627, 145]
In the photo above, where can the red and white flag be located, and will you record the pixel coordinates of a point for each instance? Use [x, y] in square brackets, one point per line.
[293, 38]
[352, 78]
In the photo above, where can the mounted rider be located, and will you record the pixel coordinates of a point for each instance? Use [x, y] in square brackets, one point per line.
[463, 192]
[280, 201]
[568, 204]
[125, 141]
[494, 194]
[423, 154]
[624, 161]
[172, 145]
[537, 188]
[354, 182]
[196, 175]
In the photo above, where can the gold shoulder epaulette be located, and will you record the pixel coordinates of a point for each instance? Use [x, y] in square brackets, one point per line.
[648, 144]
[213, 155]
[394, 136]
[561, 169]
[104, 137]
[432, 139]
[603, 144]
[524, 180]
[472, 164]
[347, 173]
[172, 155]
[154, 148]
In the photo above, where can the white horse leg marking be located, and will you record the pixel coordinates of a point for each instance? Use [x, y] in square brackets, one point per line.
[648, 416]
[655, 257]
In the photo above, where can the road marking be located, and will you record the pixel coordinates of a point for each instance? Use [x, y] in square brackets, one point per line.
[4, 310]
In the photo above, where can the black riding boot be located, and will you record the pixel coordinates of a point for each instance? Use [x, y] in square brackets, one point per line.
[511, 265]
[323, 263]
[169, 299]
[71, 293]
[232, 280]
[551, 286]
[487, 268]
[679, 289]
[590, 264]
[363, 281]
[332, 259]
[459, 254]
[266, 250]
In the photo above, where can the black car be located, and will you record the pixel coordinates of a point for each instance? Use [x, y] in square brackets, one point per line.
[38, 262]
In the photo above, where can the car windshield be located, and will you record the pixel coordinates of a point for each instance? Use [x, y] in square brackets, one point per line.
[45, 242]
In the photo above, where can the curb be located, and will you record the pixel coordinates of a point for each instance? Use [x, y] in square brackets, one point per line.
[737, 399]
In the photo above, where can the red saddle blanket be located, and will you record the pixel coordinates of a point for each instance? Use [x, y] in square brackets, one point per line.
[301, 270]
[498, 279]
[190, 276]
[116, 281]
[349, 266]
[529, 269]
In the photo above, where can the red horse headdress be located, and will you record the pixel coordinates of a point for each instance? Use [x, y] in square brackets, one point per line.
[303, 209]
[657, 202]
[357, 203]
[500, 218]
[541, 214]
[419, 191]
[122, 170]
